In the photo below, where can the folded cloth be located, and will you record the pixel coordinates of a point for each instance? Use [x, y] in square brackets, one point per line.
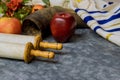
[103, 17]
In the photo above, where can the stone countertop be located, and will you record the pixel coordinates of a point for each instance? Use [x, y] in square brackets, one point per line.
[87, 56]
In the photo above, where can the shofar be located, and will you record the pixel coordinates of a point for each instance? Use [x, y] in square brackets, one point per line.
[36, 41]
[24, 52]
[39, 21]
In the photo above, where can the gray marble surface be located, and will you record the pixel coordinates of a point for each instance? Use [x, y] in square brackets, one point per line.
[87, 56]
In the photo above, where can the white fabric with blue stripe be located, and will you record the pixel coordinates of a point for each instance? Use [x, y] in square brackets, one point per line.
[101, 16]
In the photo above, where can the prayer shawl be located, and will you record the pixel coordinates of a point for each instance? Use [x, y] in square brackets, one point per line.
[103, 17]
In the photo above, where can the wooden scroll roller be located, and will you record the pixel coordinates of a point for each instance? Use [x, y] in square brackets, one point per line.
[36, 41]
[24, 52]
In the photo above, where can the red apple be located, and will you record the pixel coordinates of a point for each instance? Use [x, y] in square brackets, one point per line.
[62, 26]
[10, 25]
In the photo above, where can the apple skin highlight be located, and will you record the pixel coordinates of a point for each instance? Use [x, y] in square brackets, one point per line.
[62, 26]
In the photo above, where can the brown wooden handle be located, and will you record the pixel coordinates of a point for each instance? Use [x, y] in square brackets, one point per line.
[44, 54]
[47, 45]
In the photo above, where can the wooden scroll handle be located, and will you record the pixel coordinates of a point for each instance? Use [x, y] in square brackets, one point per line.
[44, 54]
[56, 46]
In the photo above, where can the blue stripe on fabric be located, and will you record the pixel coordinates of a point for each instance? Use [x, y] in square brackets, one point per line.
[77, 9]
[88, 18]
[117, 10]
[113, 30]
[91, 12]
[110, 19]
[95, 29]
